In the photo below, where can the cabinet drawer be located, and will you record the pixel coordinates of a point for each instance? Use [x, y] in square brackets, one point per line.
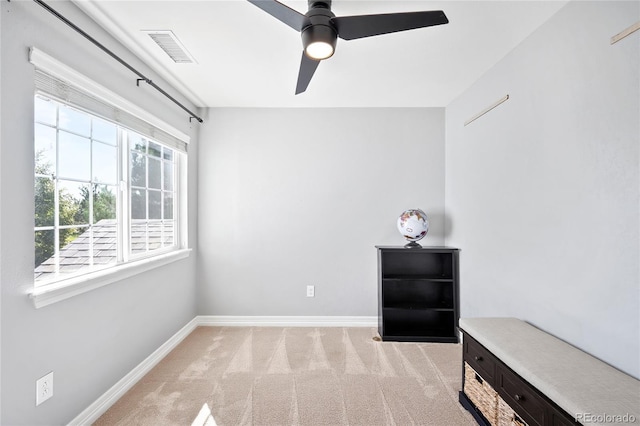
[520, 396]
[480, 359]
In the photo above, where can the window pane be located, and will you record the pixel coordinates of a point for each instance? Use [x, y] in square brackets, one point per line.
[168, 205]
[74, 249]
[45, 244]
[105, 248]
[138, 204]
[104, 203]
[105, 163]
[155, 173]
[138, 237]
[137, 142]
[79, 236]
[45, 111]
[155, 149]
[168, 234]
[44, 202]
[168, 176]
[74, 156]
[155, 235]
[73, 202]
[138, 169]
[155, 205]
[45, 149]
[167, 153]
[75, 121]
[104, 131]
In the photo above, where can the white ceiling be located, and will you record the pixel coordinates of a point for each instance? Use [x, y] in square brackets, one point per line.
[247, 58]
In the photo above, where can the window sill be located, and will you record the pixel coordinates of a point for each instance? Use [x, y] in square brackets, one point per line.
[64, 289]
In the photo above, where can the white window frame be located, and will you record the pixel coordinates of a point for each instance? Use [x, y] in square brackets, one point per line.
[48, 293]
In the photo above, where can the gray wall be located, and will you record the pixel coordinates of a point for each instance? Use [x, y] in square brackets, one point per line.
[297, 197]
[92, 340]
[543, 192]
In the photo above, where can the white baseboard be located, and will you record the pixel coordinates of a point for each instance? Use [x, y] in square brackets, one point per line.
[288, 321]
[102, 404]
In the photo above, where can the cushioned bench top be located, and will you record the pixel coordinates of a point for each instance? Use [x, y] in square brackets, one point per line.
[579, 383]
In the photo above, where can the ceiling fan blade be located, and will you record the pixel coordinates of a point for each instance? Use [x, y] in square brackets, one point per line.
[307, 68]
[353, 27]
[284, 13]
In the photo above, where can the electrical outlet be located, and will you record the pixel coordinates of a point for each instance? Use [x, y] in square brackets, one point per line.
[44, 388]
[311, 291]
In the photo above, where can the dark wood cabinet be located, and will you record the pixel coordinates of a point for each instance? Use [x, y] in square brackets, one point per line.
[418, 294]
[510, 400]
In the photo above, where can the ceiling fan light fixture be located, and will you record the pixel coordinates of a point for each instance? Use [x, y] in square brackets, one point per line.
[319, 50]
[319, 41]
[320, 29]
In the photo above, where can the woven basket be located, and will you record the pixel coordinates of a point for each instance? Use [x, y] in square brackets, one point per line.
[481, 394]
[506, 415]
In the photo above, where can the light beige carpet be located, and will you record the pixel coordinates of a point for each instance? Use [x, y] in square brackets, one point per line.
[296, 376]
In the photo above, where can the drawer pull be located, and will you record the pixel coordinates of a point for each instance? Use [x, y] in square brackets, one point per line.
[519, 397]
[477, 358]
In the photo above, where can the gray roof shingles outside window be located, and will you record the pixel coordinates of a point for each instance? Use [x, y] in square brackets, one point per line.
[76, 255]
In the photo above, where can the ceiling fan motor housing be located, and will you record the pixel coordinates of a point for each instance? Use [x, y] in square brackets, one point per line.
[318, 27]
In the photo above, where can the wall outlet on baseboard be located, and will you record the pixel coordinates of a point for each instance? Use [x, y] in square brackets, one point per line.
[44, 388]
[311, 291]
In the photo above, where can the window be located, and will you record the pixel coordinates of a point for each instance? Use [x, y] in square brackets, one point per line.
[104, 194]
[110, 185]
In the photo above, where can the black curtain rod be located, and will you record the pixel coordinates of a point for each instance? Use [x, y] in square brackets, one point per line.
[117, 58]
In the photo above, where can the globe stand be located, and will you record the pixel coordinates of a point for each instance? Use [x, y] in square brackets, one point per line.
[412, 245]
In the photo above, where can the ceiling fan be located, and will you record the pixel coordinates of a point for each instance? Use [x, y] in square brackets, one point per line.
[320, 29]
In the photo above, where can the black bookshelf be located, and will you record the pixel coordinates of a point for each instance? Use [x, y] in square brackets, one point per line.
[418, 294]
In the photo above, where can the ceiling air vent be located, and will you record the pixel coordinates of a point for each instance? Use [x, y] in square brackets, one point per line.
[168, 42]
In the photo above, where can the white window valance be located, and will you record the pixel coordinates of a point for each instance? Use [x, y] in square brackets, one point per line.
[60, 81]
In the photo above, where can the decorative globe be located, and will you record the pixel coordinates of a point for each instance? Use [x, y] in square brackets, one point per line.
[413, 225]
